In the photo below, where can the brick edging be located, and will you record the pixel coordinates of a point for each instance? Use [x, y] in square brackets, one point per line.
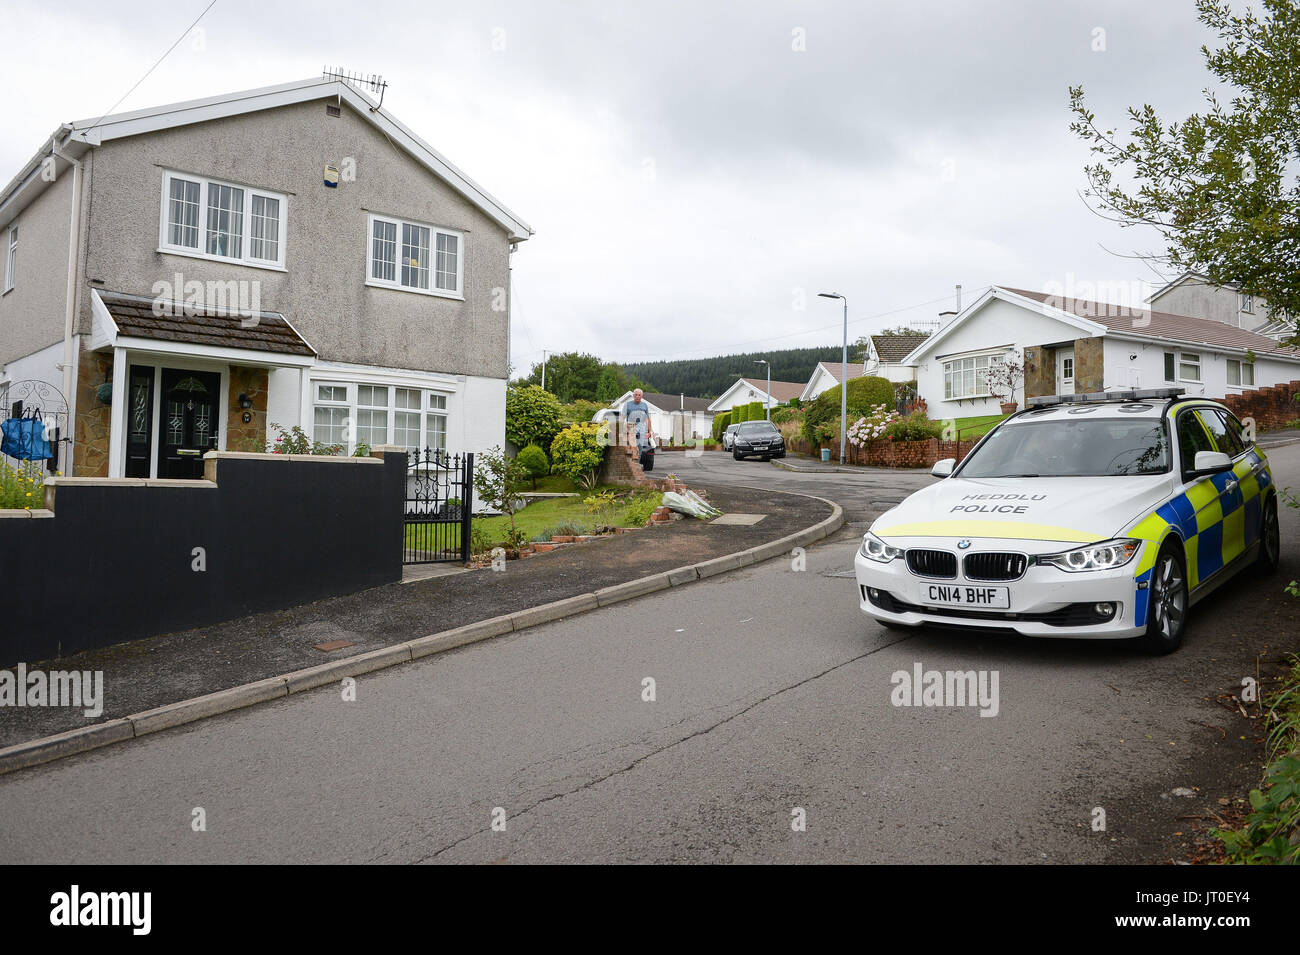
[49, 748]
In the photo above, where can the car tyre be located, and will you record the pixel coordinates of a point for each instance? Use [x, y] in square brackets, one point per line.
[1270, 539]
[737, 455]
[1167, 604]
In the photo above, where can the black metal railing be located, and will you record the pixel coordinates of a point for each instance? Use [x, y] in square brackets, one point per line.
[438, 509]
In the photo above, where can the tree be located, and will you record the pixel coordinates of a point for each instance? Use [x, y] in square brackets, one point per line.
[578, 451]
[607, 388]
[534, 461]
[533, 416]
[499, 480]
[569, 375]
[1221, 188]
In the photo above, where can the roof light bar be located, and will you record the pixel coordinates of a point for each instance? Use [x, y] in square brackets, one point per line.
[1132, 394]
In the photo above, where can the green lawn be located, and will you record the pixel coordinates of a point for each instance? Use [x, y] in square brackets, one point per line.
[541, 517]
[970, 428]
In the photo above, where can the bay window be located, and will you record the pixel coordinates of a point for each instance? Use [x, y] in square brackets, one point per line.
[415, 257]
[220, 220]
[968, 377]
[352, 414]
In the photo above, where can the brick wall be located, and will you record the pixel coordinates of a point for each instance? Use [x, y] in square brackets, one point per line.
[1271, 408]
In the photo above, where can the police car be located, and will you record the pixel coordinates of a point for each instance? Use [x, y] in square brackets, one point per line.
[1104, 515]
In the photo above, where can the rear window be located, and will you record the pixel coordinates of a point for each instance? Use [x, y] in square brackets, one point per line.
[1097, 447]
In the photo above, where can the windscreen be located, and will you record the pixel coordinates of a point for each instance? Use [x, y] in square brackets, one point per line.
[1072, 448]
[757, 427]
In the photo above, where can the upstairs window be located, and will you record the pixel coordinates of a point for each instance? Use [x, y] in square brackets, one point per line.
[415, 257]
[220, 220]
[1247, 303]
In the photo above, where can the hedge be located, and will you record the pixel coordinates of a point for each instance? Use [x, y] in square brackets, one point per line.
[720, 423]
[864, 394]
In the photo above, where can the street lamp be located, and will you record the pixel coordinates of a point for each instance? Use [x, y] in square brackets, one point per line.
[844, 371]
[763, 361]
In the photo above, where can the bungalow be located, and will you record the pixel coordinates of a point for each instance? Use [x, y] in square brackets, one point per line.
[745, 390]
[675, 418]
[1071, 346]
[886, 355]
[179, 277]
[826, 376]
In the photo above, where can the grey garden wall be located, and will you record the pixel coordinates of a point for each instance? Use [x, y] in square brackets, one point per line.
[115, 560]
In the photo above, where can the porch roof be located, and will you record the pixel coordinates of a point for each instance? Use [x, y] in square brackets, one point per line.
[144, 317]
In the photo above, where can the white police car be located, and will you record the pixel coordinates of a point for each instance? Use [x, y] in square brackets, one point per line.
[1104, 515]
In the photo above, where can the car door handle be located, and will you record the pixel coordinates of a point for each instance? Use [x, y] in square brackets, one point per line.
[1230, 486]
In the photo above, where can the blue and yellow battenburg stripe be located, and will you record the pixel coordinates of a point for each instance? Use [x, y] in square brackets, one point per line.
[1215, 524]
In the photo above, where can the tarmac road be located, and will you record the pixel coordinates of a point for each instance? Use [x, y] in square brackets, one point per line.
[771, 695]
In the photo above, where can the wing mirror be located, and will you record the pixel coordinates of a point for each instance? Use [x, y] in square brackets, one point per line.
[1210, 462]
[943, 468]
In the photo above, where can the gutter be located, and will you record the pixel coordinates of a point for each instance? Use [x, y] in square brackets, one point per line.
[70, 303]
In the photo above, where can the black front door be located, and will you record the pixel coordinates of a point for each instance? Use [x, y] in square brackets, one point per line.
[139, 422]
[190, 406]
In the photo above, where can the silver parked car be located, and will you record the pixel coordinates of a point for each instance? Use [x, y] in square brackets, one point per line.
[729, 437]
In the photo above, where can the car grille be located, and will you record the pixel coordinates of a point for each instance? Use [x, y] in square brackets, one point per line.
[994, 566]
[932, 563]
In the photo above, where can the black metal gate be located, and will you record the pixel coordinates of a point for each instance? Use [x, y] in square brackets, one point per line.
[439, 494]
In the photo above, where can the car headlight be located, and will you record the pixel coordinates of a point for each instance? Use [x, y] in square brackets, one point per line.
[873, 548]
[1104, 556]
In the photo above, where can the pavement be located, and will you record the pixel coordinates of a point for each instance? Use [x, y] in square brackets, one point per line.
[693, 725]
[168, 668]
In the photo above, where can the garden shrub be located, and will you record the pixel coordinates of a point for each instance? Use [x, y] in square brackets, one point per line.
[578, 451]
[532, 416]
[534, 461]
[864, 395]
[720, 424]
[915, 427]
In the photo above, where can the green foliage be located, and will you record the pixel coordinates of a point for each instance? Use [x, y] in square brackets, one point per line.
[532, 416]
[1271, 835]
[864, 394]
[580, 410]
[1221, 187]
[573, 376]
[915, 427]
[710, 377]
[499, 480]
[739, 414]
[22, 488]
[534, 461]
[578, 451]
[756, 411]
[640, 508]
[295, 441]
[720, 423]
[786, 413]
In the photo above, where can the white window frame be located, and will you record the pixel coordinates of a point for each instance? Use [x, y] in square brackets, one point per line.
[1193, 359]
[1246, 303]
[245, 258]
[989, 359]
[434, 231]
[11, 256]
[352, 405]
[1169, 360]
[1245, 370]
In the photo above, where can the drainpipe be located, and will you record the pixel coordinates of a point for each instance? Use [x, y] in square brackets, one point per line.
[69, 316]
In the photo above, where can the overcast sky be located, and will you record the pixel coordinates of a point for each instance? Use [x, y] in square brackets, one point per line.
[694, 177]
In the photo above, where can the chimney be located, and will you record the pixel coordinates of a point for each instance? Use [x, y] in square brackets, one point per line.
[946, 317]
